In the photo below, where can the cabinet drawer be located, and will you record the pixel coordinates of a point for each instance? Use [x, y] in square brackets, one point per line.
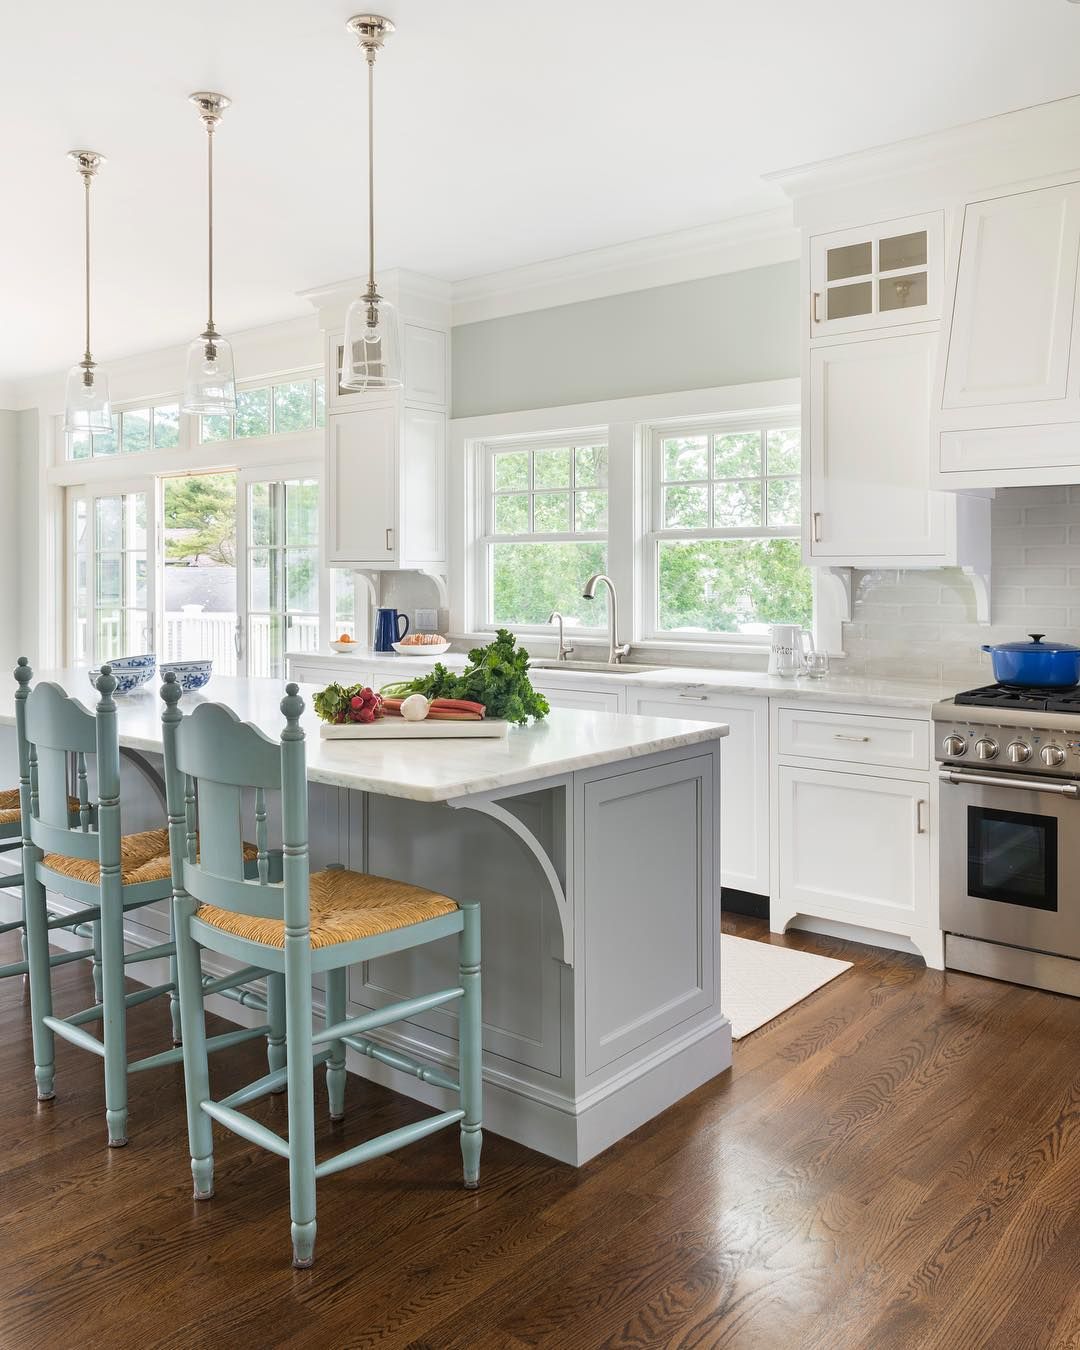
[585, 699]
[894, 742]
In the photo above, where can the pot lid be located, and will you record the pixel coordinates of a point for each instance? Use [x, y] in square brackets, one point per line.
[1036, 644]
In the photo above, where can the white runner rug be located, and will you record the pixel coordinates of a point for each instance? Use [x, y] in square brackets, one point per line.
[759, 982]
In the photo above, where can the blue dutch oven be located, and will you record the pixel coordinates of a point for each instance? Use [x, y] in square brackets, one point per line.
[1036, 664]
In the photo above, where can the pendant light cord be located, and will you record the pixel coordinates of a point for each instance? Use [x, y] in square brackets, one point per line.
[210, 223]
[86, 259]
[371, 167]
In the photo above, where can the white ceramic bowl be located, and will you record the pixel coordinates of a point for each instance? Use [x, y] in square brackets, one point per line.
[421, 648]
[344, 646]
[190, 675]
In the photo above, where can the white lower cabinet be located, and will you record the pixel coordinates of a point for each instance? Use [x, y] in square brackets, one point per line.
[744, 782]
[854, 843]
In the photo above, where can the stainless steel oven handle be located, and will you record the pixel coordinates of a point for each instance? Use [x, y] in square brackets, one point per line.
[1020, 784]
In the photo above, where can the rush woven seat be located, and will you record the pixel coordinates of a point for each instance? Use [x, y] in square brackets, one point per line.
[9, 806]
[143, 857]
[344, 906]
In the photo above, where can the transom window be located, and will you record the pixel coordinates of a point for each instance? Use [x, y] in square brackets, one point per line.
[269, 410]
[724, 550]
[545, 529]
[134, 430]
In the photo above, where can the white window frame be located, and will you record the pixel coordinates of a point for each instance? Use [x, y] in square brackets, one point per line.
[484, 453]
[278, 455]
[654, 434]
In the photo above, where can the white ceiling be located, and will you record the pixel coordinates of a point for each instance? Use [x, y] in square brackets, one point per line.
[503, 137]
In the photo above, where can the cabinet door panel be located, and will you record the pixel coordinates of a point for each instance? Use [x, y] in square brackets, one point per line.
[587, 700]
[1015, 291]
[744, 780]
[425, 365]
[854, 847]
[360, 487]
[421, 485]
[870, 453]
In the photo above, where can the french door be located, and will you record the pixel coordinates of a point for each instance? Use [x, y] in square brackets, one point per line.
[112, 578]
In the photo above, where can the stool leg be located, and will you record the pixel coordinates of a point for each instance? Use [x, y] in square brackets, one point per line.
[335, 1065]
[275, 1015]
[196, 1065]
[95, 959]
[301, 1101]
[174, 980]
[471, 1066]
[39, 972]
[114, 1009]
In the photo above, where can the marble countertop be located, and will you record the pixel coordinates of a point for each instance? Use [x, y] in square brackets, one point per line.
[915, 695]
[428, 771]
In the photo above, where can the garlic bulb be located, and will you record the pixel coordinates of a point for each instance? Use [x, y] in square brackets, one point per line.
[415, 708]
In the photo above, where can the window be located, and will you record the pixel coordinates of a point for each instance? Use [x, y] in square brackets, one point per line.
[282, 562]
[269, 410]
[134, 430]
[110, 576]
[724, 552]
[545, 529]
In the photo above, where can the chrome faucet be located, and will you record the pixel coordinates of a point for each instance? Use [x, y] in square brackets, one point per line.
[616, 649]
[564, 647]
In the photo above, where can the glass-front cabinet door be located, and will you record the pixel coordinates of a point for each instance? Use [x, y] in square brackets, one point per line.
[877, 276]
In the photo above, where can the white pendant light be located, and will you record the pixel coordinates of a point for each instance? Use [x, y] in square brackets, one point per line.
[86, 396]
[209, 380]
[372, 350]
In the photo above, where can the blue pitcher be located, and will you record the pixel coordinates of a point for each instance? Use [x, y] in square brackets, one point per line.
[388, 629]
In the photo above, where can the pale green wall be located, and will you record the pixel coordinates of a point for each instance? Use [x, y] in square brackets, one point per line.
[731, 329]
[9, 551]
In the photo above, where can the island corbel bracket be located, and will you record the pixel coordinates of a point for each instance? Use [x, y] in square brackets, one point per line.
[517, 827]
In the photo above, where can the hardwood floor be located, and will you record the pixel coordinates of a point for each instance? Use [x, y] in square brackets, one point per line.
[895, 1162]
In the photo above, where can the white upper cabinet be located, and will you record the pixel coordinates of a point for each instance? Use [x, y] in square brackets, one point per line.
[1008, 405]
[869, 500]
[876, 276]
[1015, 288]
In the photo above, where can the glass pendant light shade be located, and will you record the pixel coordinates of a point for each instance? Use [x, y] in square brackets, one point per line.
[86, 400]
[371, 356]
[209, 379]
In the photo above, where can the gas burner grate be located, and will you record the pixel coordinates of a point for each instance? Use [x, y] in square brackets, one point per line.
[1009, 696]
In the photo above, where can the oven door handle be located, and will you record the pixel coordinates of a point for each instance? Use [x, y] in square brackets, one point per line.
[1020, 785]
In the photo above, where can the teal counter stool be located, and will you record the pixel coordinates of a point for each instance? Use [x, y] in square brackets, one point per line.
[295, 923]
[93, 863]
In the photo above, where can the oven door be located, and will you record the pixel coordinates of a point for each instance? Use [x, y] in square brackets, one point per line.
[1010, 860]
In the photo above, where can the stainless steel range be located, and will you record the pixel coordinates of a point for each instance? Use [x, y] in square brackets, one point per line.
[1010, 834]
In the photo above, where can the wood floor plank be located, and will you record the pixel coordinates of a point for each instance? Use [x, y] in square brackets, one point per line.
[894, 1162]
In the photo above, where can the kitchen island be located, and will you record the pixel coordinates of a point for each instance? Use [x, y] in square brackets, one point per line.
[591, 841]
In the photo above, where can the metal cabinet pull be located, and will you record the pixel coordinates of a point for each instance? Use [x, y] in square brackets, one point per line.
[701, 698]
[814, 298]
[844, 736]
[817, 526]
[389, 539]
[920, 824]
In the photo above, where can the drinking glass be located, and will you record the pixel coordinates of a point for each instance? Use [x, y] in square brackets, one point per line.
[816, 665]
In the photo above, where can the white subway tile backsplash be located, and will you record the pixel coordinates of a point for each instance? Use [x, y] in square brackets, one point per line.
[921, 624]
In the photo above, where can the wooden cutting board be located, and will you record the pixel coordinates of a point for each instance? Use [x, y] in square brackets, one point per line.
[397, 729]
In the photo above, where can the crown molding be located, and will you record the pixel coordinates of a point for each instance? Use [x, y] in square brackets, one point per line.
[756, 239]
[1025, 143]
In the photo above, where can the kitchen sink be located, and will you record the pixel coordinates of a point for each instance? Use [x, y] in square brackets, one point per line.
[589, 667]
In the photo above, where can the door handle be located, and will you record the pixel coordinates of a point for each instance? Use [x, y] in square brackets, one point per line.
[238, 637]
[817, 527]
[955, 777]
[920, 823]
[815, 296]
[843, 736]
[389, 539]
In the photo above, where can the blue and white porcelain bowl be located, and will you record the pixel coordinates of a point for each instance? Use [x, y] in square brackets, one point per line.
[190, 675]
[130, 672]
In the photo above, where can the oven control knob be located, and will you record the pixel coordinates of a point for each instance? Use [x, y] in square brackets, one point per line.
[1018, 752]
[1052, 756]
[954, 746]
[986, 748]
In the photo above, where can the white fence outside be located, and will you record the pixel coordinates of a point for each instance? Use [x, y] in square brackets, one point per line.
[194, 634]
